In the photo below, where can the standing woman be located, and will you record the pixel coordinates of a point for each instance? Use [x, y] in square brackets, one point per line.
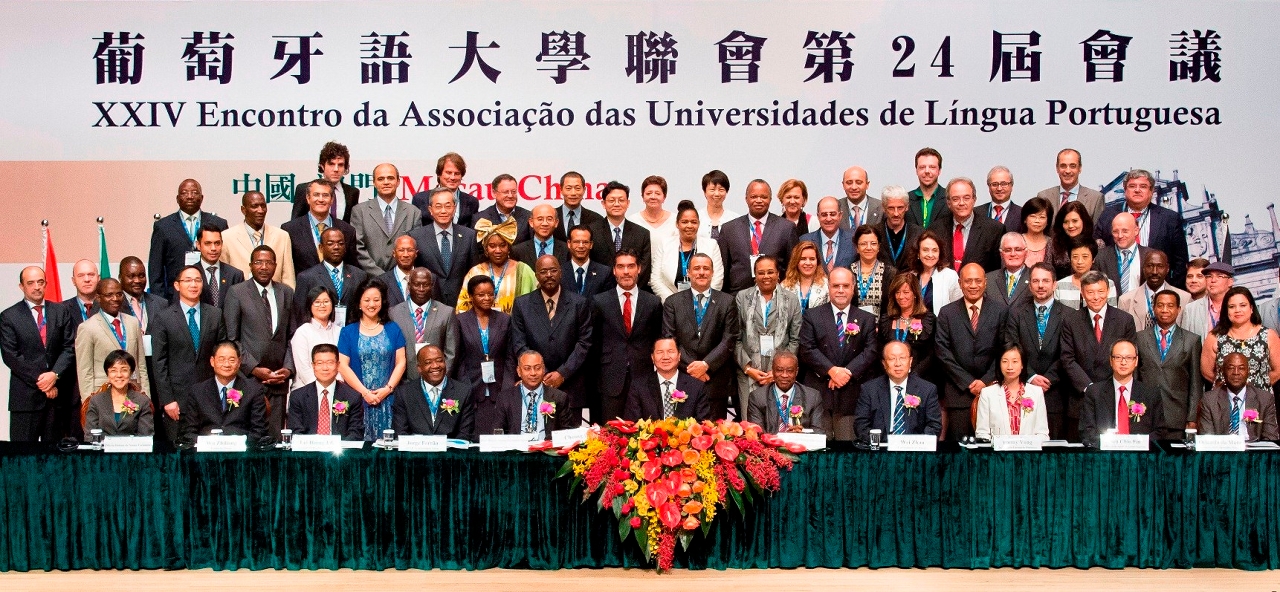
[939, 286]
[1035, 218]
[871, 275]
[906, 319]
[659, 222]
[1071, 223]
[1241, 331]
[793, 195]
[1012, 406]
[484, 332]
[510, 278]
[671, 254]
[805, 276]
[768, 318]
[1082, 251]
[119, 409]
[371, 355]
[320, 329]
[715, 186]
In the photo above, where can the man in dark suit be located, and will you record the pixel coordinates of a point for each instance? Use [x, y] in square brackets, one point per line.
[173, 238]
[222, 275]
[520, 408]
[704, 323]
[80, 307]
[666, 392]
[141, 305]
[1036, 327]
[505, 197]
[258, 321]
[432, 404]
[1122, 260]
[835, 242]
[404, 254]
[304, 232]
[183, 337]
[571, 212]
[970, 335]
[333, 272]
[895, 232]
[615, 232]
[335, 161]
[82, 304]
[229, 401]
[969, 238]
[1009, 283]
[627, 322]
[581, 275]
[1119, 402]
[542, 240]
[1169, 362]
[37, 343]
[1158, 227]
[838, 348]
[758, 233]
[326, 407]
[1225, 407]
[450, 169]
[1087, 337]
[446, 249]
[929, 199]
[424, 322]
[556, 323]
[1069, 189]
[1001, 207]
[856, 208]
[886, 402]
[772, 406]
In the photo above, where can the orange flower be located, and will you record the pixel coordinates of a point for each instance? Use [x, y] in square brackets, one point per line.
[732, 429]
[695, 429]
[691, 523]
[691, 457]
[699, 486]
[684, 437]
[684, 490]
[692, 507]
[689, 475]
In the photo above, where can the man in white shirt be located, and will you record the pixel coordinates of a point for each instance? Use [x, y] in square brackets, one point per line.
[1121, 403]
[833, 251]
[1068, 189]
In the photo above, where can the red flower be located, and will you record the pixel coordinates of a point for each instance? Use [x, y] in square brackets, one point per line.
[629, 505]
[657, 494]
[672, 481]
[726, 450]
[652, 470]
[626, 464]
[672, 458]
[771, 440]
[649, 444]
[635, 522]
[669, 513]
[623, 426]
[795, 448]
[702, 442]
[619, 475]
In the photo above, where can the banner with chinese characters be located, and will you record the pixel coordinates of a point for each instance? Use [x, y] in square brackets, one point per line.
[109, 105]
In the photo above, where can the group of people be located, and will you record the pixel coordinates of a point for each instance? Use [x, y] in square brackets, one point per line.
[915, 312]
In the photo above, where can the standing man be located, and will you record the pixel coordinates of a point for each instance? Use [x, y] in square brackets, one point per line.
[837, 348]
[327, 407]
[432, 404]
[584, 276]
[769, 321]
[615, 232]
[1158, 227]
[974, 239]
[505, 197]
[969, 334]
[856, 208]
[627, 322]
[183, 339]
[833, 251]
[1087, 337]
[1122, 260]
[895, 232]
[446, 249]
[1069, 188]
[425, 322]
[1036, 328]
[745, 239]
[403, 255]
[1169, 362]
[450, 169]
[258, 321]
[218, 276]
[304, 233]
[1118, 401]
[543, 224]
[571, 213]
[1009, 283]
[883, 403]
[240, 240]
[704, 323]
[173, 238]
[1001, 207]
[929, 198]
[141, 305]
[333, 272]
[107, 331]
[1201, 316]
[667, 392]
[556, 323]
[379, 222]
[84, 276]
[80, 308]
[37, 344]
[1140, 302]
[335, 161]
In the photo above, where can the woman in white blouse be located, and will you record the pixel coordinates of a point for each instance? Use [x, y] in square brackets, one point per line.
[805, 276]
[715, 186]
[1012, 406]
[671, 255]
[320, 329]
[660, 223]
[1068, 289]
[939, 286]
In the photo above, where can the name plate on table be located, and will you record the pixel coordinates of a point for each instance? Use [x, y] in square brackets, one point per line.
[809, 441]
[128, 444]
[913, 443]
[562, 438]
[504, 442]
[1124, 442]
[1227, 443]
[221, 443]
[1017, 443]
[316, 443]
[423, 443]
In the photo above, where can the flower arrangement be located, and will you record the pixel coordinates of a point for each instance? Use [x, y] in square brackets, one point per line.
[851, 329]
[679, 396]
[451, 406]
[665, 479]
[1251, 416]
[547, 408]
[910, 401]
[128, 407]
[233, 397]
[1028, 404]
[916, 327]
[1136, 411]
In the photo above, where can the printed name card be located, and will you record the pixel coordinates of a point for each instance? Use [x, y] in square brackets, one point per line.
[1125, 442]
[1017, 443]
[128, 444]
[1227, 443]
[913, 443]
[809, 441]
[562, 438]
[316, 443]
[504, 442]
[221, 443]
[423, 443]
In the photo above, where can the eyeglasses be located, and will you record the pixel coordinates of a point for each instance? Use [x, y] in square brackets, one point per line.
[1000, 184]
[1125, 358]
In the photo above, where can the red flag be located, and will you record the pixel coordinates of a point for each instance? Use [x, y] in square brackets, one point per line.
[52, 287]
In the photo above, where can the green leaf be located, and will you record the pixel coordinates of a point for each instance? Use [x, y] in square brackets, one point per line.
[564, 470]
[737, 498]
[624, 528]
[685, 538]
[617, 506]
[573, 486]
[642, 537]
[706, 525]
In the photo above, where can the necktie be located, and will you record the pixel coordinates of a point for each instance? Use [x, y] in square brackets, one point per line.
[957, 246]
[1097, 327]
[214, 288]
[389, 220]
[138, 312]
[1126, 260]
[257, 238]
[434, 401]
[973, 316]
[668, 407]
[115, 326]
[446, 251]
[320, 228]
[626, 312]
[831, 255]
[542, 248]
[224, 399]
[193, 328]
[1122, 414]
[617, 240]
[700, 310]
[266, 303]
[1164, 343]
[44, 336]
[1042, 321]
[336, 277]
[785, 419]
[324, 417]
[551, 308]
[755, 238]
[840, 327]
[998, 216]
[715, 232]
[1010, 282]
[531, 413]
[857, 217]
[572, 221]
[1235, 415]
[899, 412]
[333, 203]
[419, 326]
[581, 285]
[88, 309]
[1066, 195]
[1137, 220]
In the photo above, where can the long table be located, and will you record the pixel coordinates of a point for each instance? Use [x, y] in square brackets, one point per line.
[374, 509]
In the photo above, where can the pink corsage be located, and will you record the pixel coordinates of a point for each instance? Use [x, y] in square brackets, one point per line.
[679, 396]
[1136, 411]
[233, 398]
[1251, 416]
[547, 408]
[128, 407]
[339, 407]
[1028, 404]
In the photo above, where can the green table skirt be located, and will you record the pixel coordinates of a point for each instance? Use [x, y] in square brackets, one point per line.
[465, 510]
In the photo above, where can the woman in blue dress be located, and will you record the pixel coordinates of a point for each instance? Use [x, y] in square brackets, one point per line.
[371, 355]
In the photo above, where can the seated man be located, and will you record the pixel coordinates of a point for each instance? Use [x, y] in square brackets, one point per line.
[518, 409]
[433, 405]
[666, 392]
[773, 407]
[228, 401]
[1120, 403]
[1236, 407]
[898, 402]
[345, 408]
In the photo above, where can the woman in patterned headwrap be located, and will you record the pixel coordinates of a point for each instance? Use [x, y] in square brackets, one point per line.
[510, 278]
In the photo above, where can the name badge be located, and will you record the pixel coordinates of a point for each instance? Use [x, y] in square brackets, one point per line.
[810, 441]
[766, 345]
[422, 443]
[213, 443]
[504, 442]
[191, 258]
[1225, 443]
[340, 314]
[562, 438]
[753, 265]
[1017, 443]
[486, 372]
[1125, 442]
[913, 443]
[682, 286]
[146, 345]
[128, 444]
[316, 443]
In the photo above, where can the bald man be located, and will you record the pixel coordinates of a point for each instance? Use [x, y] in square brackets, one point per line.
[84, 276]
[543, 223]
[969, 334]
[240, 240]
[403, 253]
[856, 208]
[380, 221]
[173, 238]
[1122, 261]
[833, 237]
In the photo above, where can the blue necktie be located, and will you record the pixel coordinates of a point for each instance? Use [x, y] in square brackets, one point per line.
[542, 248]
[531, 412]
[1042, 321]
[337, 281]
[193, 328]
[1235, 414]
[899, 413]
[446, 251]
[582, 286]
[840, 327]
[224, 399]
[1126, 259]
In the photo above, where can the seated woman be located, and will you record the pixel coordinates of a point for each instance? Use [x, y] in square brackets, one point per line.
[1012, 406]
[119, 409]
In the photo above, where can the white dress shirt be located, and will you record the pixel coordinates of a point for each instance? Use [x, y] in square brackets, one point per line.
[893, 400]
[622, 299]
[271, 298]
[304, 340]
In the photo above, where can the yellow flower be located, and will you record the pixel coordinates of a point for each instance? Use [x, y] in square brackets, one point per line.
[630, 485]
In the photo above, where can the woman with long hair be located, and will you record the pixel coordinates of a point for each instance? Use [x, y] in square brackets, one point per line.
[805, 276]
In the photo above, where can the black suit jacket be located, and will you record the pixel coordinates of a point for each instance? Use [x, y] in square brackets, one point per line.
[227, 276]
[634, 237]
[624, 357]
[1108, 262]
[179, 363]
[521, 215]
[564, 341]
[169, 246]
[915, 205]
[966, 354]
[644, 401]
[466, 207]
[303, 242]
[249, 417]
[1166, 233]
[318, 275]
[351, 197]
[471, 350]
[28, 357]
[527, 251]
[304, 411]
[913, 232]
[874, 408]
[588, 218]
[152, 303]
[712, 342]
[1041, 356]
[1098, 411]
[1012, 215]
[778, 237]
[411, 413]
[394, 294]
[500, 409]
[983, 246]
[820, 351]
[465, 255]
[596, 278]
[1084, 359]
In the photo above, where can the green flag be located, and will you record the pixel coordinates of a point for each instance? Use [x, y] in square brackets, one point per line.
[104, 265]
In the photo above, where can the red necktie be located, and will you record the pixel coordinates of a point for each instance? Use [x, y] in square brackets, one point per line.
[44, 336]
[1066, 195]
[973, 318]
[324, 417]
[88, 308]
[626, 313]
[755, 238]
[115, 326]
[1137, 217]
[957, 246]
[1122, 414]
[1097, 327]
[418, 326]
[999, 209]
[831, 255]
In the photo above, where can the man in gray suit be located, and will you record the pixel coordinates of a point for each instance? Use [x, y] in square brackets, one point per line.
[378, 222]
[770, 324]
[1169, 361]
[771, 405]
[1009, 284]
[1201, 315]
[856, 208]
[425, 322]
[833, 251]
[1140, 302]
[258, 320]
[1225, 409]
[1069, 188]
